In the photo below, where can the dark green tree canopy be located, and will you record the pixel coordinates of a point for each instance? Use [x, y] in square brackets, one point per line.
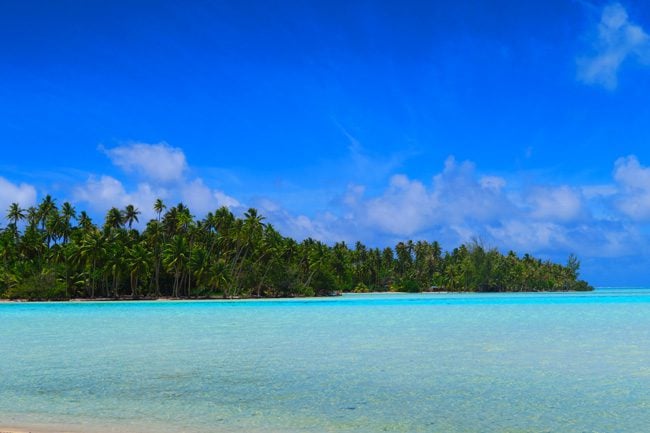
[47, 252]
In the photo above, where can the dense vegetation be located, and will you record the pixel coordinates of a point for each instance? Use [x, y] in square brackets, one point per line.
[49, 252]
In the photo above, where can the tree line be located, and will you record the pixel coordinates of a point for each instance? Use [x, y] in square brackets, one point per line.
[54, 252]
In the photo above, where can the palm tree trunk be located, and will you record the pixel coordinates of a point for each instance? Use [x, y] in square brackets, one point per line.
[259, 285]
[92, 281]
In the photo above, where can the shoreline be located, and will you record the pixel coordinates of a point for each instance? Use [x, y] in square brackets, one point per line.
[86, 426]
[105, 427]
[262, 298]
[37, 428]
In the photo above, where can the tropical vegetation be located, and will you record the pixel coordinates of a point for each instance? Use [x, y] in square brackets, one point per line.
[54, 252]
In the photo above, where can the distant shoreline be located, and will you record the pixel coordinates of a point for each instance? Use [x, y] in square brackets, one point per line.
[54, 252]
[241, 298]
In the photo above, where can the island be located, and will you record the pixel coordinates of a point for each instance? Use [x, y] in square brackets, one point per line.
[54, 253]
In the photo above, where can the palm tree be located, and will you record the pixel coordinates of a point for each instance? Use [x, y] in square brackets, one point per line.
[249, 232]
[232, 255]
[153, 235]
[138, 262]
[68, 213]
[223, 219]
[115, 262]
[184, 218]
[220, 277]
[175, 255]
[8, 249]
[114, 220]
[270, 253]
[32, 217]
[54, 227]
[91, 252]
[130, 215]
[170, 221]
[316, 255]
[85, 222]
[159, 207]
[198, 265]
[45, 208]
[15, 214]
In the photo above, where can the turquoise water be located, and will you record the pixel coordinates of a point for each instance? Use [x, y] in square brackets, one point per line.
[373, 363]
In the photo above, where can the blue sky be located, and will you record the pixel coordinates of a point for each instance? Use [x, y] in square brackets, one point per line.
[524, 124]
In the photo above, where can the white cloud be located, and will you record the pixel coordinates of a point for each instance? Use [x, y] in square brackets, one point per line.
[101, 193]
[359, 165]
[323, 227]
[201, 199]
[493, 183]
[105, 192]
[629, 172]
[163, 168]
[301, 227]
[224, 199]
[556, 203]
[198, 197]
[23, 194]
[267, 205]
[459, 204]
[157, 162]
[633, 179]
[618, 40]
[353, 194]
[601, 221]
[597, 191]
[524, 235]
[453, 203]
[596, 238]
[455, 196]
[403, 209]
[463, 196]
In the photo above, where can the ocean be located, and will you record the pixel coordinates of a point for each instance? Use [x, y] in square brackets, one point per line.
[542, 362]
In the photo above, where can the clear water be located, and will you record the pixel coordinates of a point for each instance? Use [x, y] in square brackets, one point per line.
[391, 363]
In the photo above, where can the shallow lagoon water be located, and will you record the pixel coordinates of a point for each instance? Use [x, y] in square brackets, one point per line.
[358, 363]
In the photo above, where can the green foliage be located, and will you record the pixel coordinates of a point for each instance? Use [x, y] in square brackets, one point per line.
[47, 252]
[361, 288]
[7, 281]
[324, 283]
[302, 290]
[581, 286]
[42, 286]
[408, 285]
